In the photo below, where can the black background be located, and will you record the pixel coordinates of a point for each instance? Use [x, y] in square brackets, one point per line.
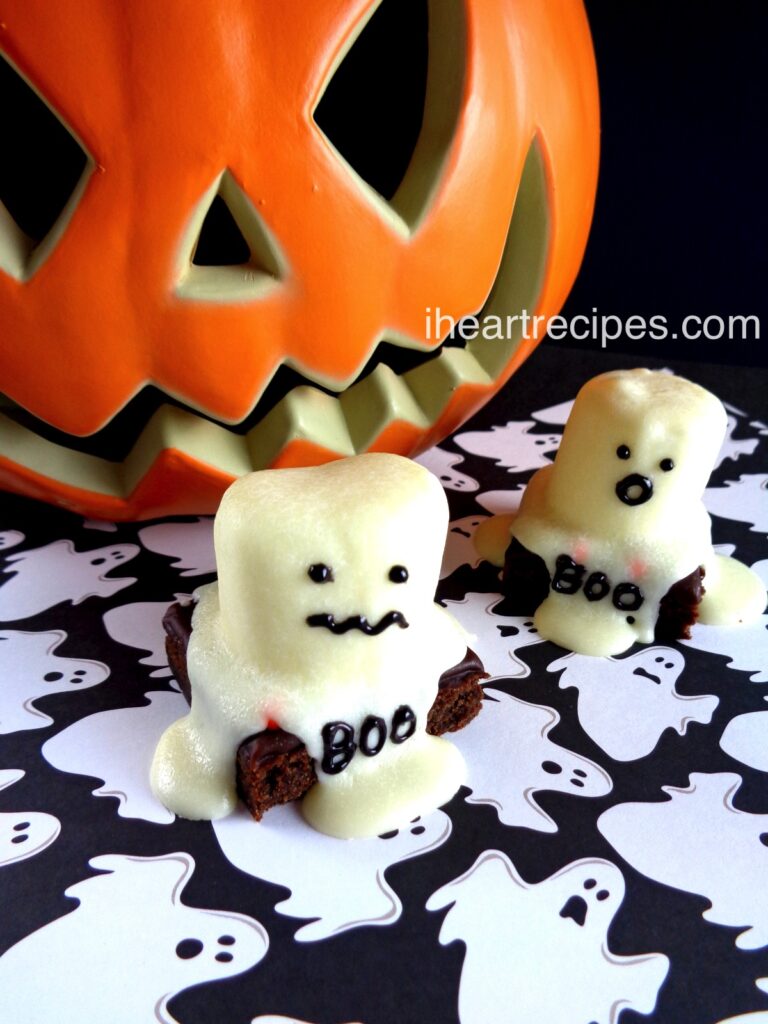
[680, 219]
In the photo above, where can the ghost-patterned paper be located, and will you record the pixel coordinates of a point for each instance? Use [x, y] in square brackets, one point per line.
[603, 861]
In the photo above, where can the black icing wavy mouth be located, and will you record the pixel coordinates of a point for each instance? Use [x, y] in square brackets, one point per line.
[327, 621]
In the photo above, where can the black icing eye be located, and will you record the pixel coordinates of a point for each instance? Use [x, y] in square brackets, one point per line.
[398, 574]
[623, 452]
[666, 464]
[320, 573]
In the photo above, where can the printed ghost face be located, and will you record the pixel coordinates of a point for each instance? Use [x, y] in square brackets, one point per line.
[31, 669]
[302, 581]
[638, 445]
[543, 940]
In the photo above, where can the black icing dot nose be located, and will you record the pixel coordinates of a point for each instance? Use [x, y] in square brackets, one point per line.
[634, 489]
[551, 767]
[398, 574]
[53, 677]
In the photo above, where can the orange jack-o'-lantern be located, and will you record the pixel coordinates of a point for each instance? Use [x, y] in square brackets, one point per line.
[148, 356]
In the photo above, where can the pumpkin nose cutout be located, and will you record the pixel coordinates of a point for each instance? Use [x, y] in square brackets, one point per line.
[634, 489]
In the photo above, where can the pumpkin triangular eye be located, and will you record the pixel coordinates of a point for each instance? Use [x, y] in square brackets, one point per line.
[42, 174]
[373, 106]
[391, 106]
[230, 252]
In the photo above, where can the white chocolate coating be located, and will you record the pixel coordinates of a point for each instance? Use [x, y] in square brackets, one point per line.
[622, 502]
[253, 657]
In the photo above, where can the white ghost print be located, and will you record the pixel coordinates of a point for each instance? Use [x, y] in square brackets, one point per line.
[140, 625]
[745, 647]
[502, 636]
[459, 546]
[23, 833]
[117, 747]
[512, 446]
[548, 942]
[745, 738]
[735, 449]
[745, 500]
[443, 464]
[639, 689]
[190, 545]
[511, 759]
[10, 539]
[270, 1018]
[699, 842]
[557, 415]
[501, 502]
[103, 525]
[30, 669]
[341, 884]
[128, 947]
[47, 576]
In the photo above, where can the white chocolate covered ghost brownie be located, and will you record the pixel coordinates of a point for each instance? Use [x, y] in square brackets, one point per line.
[273, 767]
[322, 627]
[612, 542]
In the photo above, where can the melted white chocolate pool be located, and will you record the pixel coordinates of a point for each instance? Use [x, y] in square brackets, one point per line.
[327, 544]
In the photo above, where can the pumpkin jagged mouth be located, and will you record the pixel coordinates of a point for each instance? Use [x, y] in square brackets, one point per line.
[414, 390]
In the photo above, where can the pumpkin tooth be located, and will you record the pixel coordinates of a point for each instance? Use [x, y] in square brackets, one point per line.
[376, 402]
[176, 429]
[305, 414]
[29, 451]
[434, 383]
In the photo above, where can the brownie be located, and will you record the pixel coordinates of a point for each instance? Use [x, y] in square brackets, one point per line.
[273, 767]
[526, 584]
[679, 608]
